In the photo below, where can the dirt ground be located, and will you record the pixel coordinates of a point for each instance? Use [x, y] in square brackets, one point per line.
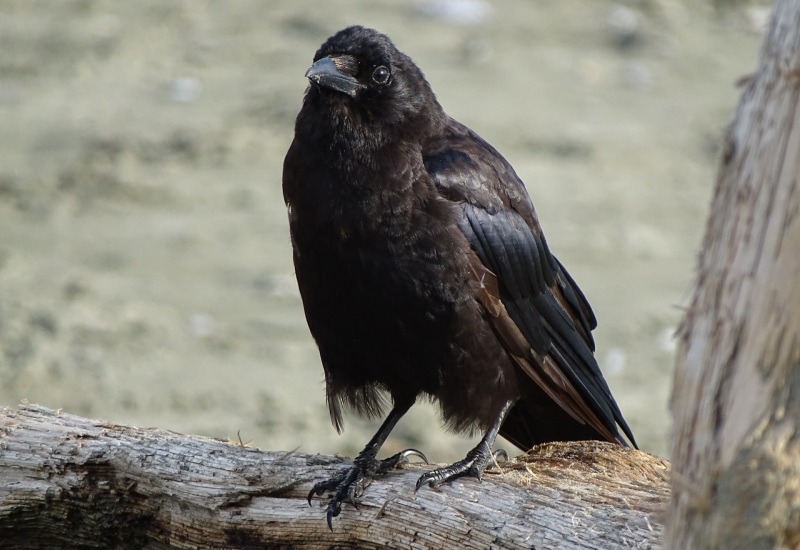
[145, 264]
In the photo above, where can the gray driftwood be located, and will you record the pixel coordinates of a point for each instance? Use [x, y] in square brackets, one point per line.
[736, 397]
[67, 481]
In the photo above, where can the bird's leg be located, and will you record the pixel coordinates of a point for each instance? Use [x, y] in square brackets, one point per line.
[475, 461]
[351, 484]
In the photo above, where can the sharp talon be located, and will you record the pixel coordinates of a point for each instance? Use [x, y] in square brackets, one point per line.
[426, 478]
[312, 493]
[471, 466]
[399, 459]
[322, 487]
[334, 509]
[350, 485]
[414, 452]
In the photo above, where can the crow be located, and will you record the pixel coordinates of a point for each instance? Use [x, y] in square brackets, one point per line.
[424, 272]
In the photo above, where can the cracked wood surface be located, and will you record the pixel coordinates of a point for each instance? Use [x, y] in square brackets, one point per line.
[736, 396]
[67, 481]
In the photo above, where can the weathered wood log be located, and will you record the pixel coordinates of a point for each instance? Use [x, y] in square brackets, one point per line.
[736, 396]
[67, 481]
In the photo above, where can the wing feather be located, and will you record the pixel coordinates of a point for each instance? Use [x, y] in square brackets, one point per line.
[535, 307]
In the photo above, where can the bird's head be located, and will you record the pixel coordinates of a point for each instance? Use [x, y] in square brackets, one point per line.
[358, 73]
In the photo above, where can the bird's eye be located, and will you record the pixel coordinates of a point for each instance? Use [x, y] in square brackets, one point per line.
[380, 75]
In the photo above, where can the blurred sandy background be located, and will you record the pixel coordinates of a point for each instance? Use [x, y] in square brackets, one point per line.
[145, 265]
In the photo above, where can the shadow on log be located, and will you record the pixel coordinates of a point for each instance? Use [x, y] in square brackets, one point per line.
[67, 481]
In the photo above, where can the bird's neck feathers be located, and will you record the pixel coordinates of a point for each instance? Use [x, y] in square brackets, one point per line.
[370, 125]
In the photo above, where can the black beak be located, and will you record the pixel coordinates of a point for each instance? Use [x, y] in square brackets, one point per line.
[324, 73]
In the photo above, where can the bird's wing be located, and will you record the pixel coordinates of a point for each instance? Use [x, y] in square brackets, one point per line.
[537, 310]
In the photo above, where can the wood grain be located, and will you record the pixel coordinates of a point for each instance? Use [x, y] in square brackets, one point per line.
[67, 481]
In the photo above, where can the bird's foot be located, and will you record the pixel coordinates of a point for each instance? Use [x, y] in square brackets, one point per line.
[398, 460]
[472, 465]
[351, 484]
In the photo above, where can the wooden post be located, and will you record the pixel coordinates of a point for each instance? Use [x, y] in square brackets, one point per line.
[736, 395]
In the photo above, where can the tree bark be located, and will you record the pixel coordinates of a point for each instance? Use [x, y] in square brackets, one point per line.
[736, 395]
[67, 481]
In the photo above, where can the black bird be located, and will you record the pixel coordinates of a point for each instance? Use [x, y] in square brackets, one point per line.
[424, 272]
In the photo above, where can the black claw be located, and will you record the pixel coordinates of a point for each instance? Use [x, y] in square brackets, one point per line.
[401, 458]
[349, 486]
[436, 477]
[413, 452]
[345, 486]
[334, 509]
[472, 465]
[429, 478]
[325, 486]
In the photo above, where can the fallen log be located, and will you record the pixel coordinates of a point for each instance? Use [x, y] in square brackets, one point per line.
[67, 481]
